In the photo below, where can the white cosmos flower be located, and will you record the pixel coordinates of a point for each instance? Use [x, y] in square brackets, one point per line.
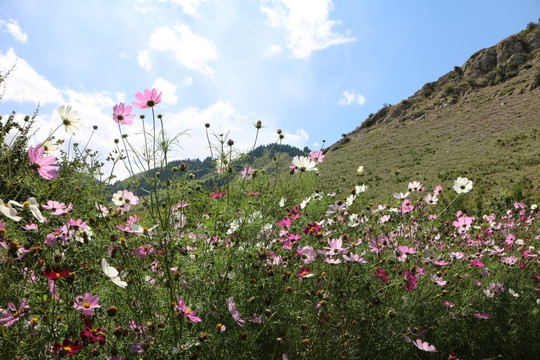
[360, 188]
[462, 185]
[9, 211]
[118, 198]
[401, 195]
[112, 273]
[350, 199]
[303, 163]
[360, 171]
[304, 203]
[30, 204]
[70, 119]
[50, 148]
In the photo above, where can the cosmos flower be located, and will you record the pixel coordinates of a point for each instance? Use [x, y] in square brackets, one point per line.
[70, 119]
[92, 334]
[87, 303]
[122, 114]
[112, 273]
[316, 156]
[304, 163]
[150, 98]
[57, 208]
[11, 315]
[43, 165]
[56, 273]
[234, 312]
[462, 185]
[67, 347]
[190, 314]
[424, 346]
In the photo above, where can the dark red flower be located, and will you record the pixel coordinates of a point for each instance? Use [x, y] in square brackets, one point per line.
[92, 334]
[56, 273]
[67, 347]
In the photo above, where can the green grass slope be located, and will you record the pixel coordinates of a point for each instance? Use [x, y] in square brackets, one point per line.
[480, 121]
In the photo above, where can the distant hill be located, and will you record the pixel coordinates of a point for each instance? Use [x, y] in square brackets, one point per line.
[203, 171]
[481, 120]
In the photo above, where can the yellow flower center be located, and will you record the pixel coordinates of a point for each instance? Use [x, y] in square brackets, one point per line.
[86, 305]
[188, 311]
[26, 205]
[15, 314]
[67, 348]
[34, 320]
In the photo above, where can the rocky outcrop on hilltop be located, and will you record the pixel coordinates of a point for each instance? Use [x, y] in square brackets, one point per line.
[517, 54]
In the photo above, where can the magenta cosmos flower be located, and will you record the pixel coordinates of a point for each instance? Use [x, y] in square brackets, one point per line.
[43, 165]
[190, 314]
[122, 114]
[150, 98]
[87, 303]
[13, 314]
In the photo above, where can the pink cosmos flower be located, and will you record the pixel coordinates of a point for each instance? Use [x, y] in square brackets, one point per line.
[43, 165]
[410, 280]
[190, 314]
[234, 312]
[463, 223]
[53, 290]
[316, 156]
[9, 317]
[57, 208]
[87, 303]
[304, 272]
[406, 206]
[122, 114]
[424, 346]
[247, 173]
[381, 275]
[477, 263]
[217, 195]
[438, 190]
[438, 280]
[150, 99]
[482, 316]
[354, 257]
[307, 254]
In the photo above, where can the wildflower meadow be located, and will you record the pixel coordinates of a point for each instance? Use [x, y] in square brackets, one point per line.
[264, 265]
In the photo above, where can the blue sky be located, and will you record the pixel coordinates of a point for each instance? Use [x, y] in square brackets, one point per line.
[314, 68]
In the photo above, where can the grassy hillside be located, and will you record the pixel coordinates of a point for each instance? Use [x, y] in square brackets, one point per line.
[481, 121]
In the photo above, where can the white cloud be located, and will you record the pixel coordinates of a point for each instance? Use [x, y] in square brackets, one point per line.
[24, 83]
[273, 50]
[189, 49]
[188, 81]
[348, 98]
[307, 24]
[189, 6]
[298, 139]
[143, 58]
[12, 27]
[168, 89]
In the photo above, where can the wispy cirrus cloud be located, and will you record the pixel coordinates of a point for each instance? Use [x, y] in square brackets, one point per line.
[348, 98]
[12, 27]
[189, 49]
[307, 24]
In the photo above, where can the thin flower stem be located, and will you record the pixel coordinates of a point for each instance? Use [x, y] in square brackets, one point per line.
[448, 205]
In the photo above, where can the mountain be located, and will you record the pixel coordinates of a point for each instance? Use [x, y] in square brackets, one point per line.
[481, 121]
[262, 157]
